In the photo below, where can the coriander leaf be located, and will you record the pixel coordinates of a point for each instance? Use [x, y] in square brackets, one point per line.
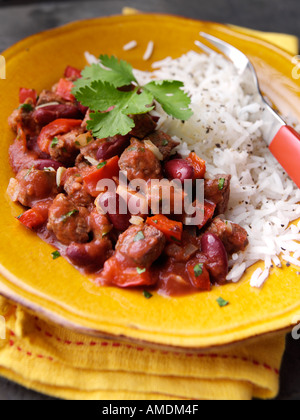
[119, 73]
[103, 96]
[99, 96]
[221, 183]
[172, 98]
[110, 70]
[110, 124]
[147, 294]
[101, 165]
[71, 213]
[26, 107]
[55, 255]
[222, 302]
[141, 270]
[198, 270]
[139, 237]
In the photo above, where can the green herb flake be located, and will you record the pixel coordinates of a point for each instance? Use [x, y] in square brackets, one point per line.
[221, 183]
[55, 255]
[155, 221]
[198, 270]
[26, 107]
[165, 142]
[101, 165]
[139, 237]
[29, 171]
[222, 302]
[54, 142]
[20, 215]
[147, 294]
[175, 239]
[49, 169]
[141, 270]
[71, 213]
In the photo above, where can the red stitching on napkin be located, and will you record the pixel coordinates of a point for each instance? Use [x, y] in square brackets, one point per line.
[140, 349]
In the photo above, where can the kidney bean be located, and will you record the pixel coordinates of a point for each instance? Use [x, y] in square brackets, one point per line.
[41, 164]
[47, 114]
[115, 146]
[82, 109]
[91, 255]
[179, 169]
[217, 259]
[113, 204]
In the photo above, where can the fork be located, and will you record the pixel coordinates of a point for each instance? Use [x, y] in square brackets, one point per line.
[283, 140]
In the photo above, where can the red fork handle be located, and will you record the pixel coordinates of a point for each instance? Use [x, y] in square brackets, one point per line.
[286, 148]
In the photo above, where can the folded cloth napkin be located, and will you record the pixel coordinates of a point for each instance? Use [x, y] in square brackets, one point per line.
[59, 362]
[55, 361]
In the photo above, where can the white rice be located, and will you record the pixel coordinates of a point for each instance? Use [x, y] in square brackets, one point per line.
[149, 51]
[130, 45]
[226, 131]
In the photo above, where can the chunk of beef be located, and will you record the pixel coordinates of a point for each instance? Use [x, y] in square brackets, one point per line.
[68, 222]
[233, 236]
[144, 125]
[218, 191]
[139, 162]
[47, 96]
[164, 143]
[142, 245]
[73, 185]
[66, 150]
[35, 186]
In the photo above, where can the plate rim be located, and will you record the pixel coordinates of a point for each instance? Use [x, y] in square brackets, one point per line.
[72, 26]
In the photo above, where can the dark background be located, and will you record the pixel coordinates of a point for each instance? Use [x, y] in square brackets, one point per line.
[19, 19]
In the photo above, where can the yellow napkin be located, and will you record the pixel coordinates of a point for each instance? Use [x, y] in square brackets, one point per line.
[55, 361]
[59, 362]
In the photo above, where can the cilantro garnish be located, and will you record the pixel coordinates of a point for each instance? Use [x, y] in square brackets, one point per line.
[113, 109]
[29, 171]
[139, 237]
[147, 294]
[222, 302]
[221, 183]
[198, 270]
[165, 142]
[140, 270]
[71, 213]
[101, 165]
[26, 107]
[55, 255]
[54, 142]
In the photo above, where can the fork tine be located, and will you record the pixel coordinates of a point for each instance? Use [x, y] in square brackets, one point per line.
[205, 48]
[239, 59]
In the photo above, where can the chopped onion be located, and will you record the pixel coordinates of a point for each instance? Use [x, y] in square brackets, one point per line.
[92, 161]
[13, 189]
[189, 251]
[59, 174]
[136, 220]
[48, 104]
[154, 149]
[83, 139]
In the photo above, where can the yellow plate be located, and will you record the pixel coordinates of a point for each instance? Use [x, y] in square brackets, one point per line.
[58, 291]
